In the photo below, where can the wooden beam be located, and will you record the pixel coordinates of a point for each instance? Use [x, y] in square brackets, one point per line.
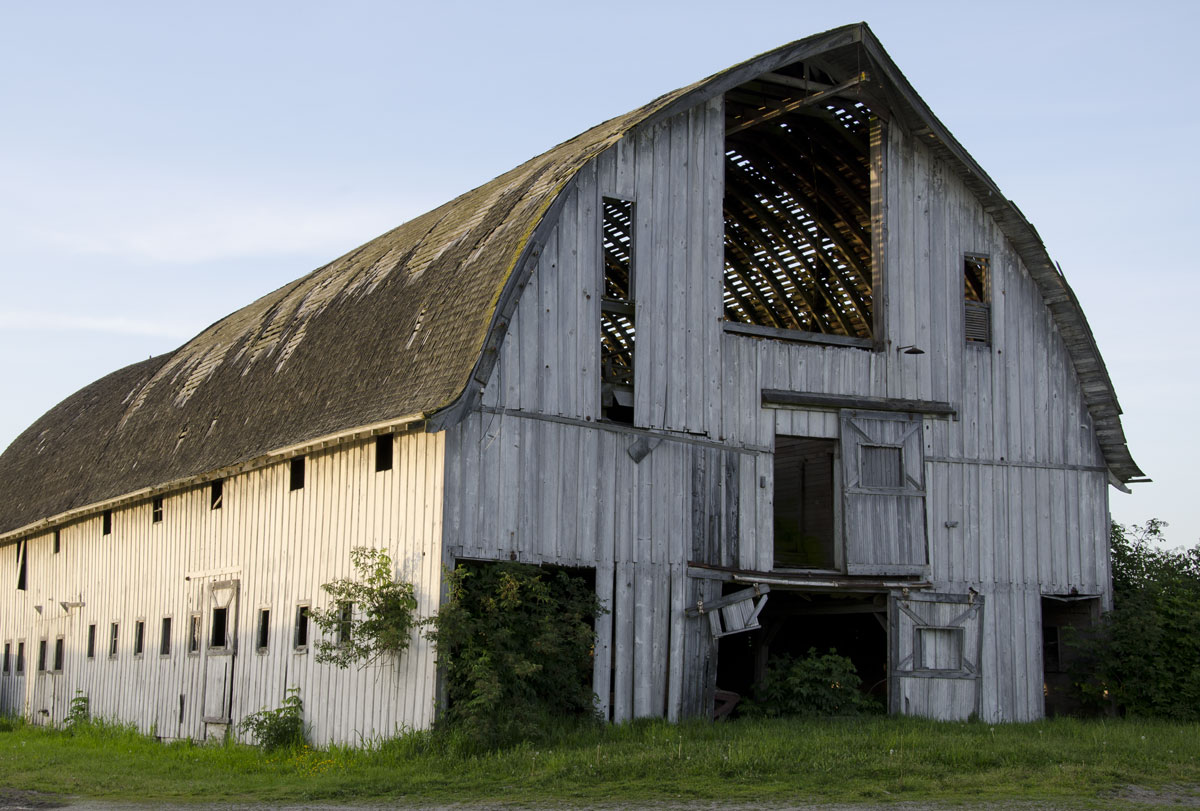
[776, 112]
[781, 397]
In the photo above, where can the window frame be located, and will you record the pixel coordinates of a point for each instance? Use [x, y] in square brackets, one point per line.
[303, 622]
[164, 637]
[114, 639]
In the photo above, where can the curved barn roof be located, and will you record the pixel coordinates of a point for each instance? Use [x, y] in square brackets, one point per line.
[402, 326]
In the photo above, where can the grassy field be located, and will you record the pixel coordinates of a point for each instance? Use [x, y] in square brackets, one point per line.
[878, 760]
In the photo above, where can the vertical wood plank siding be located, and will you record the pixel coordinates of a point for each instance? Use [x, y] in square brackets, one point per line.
[281, 546]
[1016, 502]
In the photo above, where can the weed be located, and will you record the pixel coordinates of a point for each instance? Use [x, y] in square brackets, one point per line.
[280, 728]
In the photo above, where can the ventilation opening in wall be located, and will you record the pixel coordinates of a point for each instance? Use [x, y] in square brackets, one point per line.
[106, 523]
[793, 622]
[216, 494]
[977, 308]
[798, 204]
[22, 564]
[1063, 616]
[384, 445]
[804, 501]
[296, 474]
[617, 313]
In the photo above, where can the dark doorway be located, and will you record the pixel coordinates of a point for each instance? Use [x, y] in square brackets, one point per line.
[793, 622]
[805, 529]
[1063, 618]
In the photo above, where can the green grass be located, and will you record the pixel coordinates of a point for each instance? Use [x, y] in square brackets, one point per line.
[1066, 762]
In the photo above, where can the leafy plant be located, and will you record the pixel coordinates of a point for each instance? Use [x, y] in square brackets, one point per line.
[369, 617]
[279, 728]
[1143, 656]
[813, 685]
[516, 642]
[78, 714]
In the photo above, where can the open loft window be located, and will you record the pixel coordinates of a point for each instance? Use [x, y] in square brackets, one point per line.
[296, 473]
[805, 525]
[216, 494]
[384, 446]
[798, 206]
[617, 312]
[977, 306]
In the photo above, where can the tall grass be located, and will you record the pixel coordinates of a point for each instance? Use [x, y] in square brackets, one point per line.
[872, 759]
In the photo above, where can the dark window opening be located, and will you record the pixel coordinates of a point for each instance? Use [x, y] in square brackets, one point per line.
[216, 492]
[383, 452]
[42, 656]
[798, 208]
[58, 655]
[156, 510]
[91, 641]
[264, 628]
[938, 648]
[194, 634]
[805, 526]
[345, 622]
[617, 313]
[22, 566]
[882, 466]
[977, 313]
[113, 635]
[296, 479]
[106, 523]
[164, 641]
[7, 653]
[20, 657]
[57, 541]
[301, 640]
[139, 637]
[219, 638]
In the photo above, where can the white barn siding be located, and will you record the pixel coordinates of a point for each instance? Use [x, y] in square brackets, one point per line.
[281, 546]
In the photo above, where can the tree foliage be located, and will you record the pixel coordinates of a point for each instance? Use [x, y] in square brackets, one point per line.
[368, 617]
[818, 684]
[516, 642]
[1144, 656]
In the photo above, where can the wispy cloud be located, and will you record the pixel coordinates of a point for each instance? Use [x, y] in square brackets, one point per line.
[65, 322]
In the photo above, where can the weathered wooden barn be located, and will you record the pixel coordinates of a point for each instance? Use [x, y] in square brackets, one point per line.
[771, 357]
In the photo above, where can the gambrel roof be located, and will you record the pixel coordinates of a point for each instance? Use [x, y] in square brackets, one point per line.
[406, 326]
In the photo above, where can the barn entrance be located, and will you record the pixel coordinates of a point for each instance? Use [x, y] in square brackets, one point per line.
[1063, 616]
[795, 621]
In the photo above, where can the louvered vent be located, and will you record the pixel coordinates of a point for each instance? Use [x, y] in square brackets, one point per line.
[978, 321]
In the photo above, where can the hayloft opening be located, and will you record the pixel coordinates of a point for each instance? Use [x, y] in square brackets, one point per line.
[798, 210]
[216, 494]
[794, 622]
[617, 311]
[804, 499]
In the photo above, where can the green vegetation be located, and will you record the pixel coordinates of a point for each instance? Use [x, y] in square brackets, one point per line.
[816, 685]
[369, 617]
[280, 728]
[1143, 657]
[870, 759]
[516, 642]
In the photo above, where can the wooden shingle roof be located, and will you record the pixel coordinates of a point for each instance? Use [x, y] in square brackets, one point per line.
[401, 326]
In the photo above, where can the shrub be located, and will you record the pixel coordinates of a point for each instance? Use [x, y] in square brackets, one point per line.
[516, 642]
[78, 714]
[1143, 655]
[368, 617]
[813, 685]
[280, 728]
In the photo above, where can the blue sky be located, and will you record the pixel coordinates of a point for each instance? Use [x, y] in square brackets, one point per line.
[162, 165]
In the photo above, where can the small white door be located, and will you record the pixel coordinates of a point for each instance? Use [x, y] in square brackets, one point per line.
[220, 650]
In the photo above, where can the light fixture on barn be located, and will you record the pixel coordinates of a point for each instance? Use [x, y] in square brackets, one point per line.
[910, 349]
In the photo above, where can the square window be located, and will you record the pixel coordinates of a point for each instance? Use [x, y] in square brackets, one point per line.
[939, 648]
[882, 466]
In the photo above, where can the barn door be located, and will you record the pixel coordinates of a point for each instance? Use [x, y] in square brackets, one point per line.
[936, 641]
[220, 650]
[883, 477]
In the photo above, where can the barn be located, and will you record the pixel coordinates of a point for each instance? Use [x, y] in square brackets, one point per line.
[771, 359]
